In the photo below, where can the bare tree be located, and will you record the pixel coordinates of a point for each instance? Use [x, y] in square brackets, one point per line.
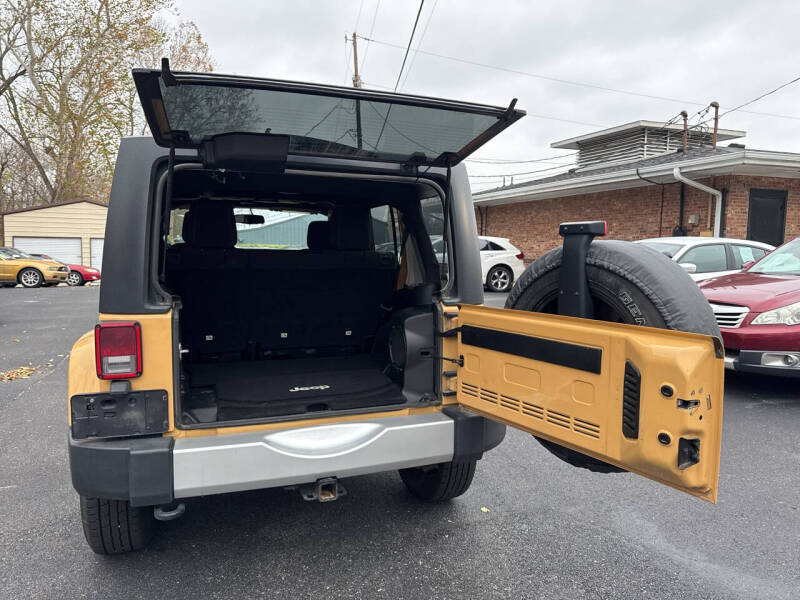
[66, 94]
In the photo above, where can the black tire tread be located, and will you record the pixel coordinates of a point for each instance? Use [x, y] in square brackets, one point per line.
[114, 526]
[449, 481]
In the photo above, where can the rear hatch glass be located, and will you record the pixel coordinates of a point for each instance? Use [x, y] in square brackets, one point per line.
[184, 109]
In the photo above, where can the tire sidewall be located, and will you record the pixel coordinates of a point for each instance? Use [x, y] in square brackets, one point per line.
[499, 268]
[79, 279]
[31, 270]
[615, 291]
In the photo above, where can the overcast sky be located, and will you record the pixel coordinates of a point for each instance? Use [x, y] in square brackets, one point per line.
[694, 52]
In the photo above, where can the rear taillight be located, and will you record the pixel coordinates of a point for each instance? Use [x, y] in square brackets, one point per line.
[521, 255]
[118, 349]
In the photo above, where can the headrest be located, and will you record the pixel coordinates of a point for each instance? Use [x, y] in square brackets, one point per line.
[318, 236]
[210, 224]
[351, 229]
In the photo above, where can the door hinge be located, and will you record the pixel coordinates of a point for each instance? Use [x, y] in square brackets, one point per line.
[459, 361]
[450, 332]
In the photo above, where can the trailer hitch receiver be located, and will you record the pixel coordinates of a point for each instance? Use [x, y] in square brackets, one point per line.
[574, 299]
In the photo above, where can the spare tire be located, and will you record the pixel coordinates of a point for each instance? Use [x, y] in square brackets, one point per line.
[629, 283]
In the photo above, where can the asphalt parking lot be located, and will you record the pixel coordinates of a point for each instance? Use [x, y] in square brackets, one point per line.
[529, 527]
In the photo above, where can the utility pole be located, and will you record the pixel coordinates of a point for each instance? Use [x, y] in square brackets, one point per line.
[685, 116]
[715, 105]
[357, 84]
[356, 78]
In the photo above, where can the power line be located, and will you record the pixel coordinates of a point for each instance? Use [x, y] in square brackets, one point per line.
[419, 43]
[371, 29]
[764, 95]
[408, 47]
[516, 174]
[358, 18]
[581, 83]
[500, 161]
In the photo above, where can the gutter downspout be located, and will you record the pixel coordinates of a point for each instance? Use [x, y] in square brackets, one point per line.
[676, 173]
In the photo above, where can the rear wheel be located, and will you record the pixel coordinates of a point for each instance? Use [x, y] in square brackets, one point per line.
[499, 279]
[628, 284]
[74, 278]
[438, 483]
[30, 278]
[116, 527]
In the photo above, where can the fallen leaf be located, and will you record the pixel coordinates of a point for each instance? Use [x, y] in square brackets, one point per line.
[18, 373]
[16, 340]
[484, 509]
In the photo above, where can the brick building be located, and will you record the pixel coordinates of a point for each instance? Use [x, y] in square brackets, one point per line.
[627, 176]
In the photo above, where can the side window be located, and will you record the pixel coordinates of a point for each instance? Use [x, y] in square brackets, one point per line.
[175, 235]
[493, 246]
[386, 230]
[743, 254]
[433, 218]
[707, 258]
[484, 245]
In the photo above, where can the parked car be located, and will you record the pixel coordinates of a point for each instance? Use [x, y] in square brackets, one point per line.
[758, 312]
[216, 368]
[501, 261]
[707, 257]
[78, 274]
[17, 267]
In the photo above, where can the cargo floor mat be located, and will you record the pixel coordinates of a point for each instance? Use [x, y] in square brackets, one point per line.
[250, 390]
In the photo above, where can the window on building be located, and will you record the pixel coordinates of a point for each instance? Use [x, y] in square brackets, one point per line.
[708, 258]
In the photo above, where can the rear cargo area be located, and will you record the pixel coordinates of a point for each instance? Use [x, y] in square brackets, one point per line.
[270, 331]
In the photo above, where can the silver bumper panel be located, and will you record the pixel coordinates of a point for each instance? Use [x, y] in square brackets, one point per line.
[254, 460]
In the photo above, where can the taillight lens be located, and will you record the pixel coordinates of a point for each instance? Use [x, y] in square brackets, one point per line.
[521, 255]
[118, 349]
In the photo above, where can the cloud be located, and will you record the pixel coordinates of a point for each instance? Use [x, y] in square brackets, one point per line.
[730, 51]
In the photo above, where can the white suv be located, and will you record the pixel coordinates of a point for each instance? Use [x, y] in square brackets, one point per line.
[501, 262]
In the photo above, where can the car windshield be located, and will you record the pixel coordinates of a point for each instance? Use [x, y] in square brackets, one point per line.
[14, 253]
[663, 247]
[783, 261]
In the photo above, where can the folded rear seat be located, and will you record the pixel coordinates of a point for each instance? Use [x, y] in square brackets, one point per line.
[209, 275]
[328, 296]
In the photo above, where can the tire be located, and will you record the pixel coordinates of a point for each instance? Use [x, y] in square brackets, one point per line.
[439, 483]
[74, 279]
[499, 279]
[30, 278]
[116, 527]
[630, 284]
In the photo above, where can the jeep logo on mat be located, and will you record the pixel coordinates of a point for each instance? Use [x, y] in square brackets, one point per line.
[308, 388]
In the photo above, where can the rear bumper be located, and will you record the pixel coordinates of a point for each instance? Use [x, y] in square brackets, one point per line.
[769, 362]
[149, 471]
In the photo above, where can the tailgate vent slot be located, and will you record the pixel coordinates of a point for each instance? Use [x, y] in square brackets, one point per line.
[631, 395]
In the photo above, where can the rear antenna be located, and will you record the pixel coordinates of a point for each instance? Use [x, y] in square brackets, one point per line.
[166, 74]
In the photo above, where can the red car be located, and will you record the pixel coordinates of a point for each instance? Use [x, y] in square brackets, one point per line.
[758, 313]
[78, 274]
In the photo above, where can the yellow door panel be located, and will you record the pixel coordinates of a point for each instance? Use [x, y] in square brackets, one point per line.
[646, 400]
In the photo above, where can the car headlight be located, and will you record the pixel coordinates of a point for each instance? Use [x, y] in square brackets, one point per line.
[92, 271]
[52, 268]
[785, 315]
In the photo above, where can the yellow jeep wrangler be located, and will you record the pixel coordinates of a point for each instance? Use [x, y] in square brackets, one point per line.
[273, 314]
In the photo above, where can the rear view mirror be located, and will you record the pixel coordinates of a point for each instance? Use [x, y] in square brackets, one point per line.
[250, 219]
[689, 267]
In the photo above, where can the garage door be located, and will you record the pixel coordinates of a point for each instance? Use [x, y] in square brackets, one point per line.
[97, 252]
[66, 250]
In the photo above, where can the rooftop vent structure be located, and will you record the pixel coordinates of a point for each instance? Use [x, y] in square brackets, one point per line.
[637, 141]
